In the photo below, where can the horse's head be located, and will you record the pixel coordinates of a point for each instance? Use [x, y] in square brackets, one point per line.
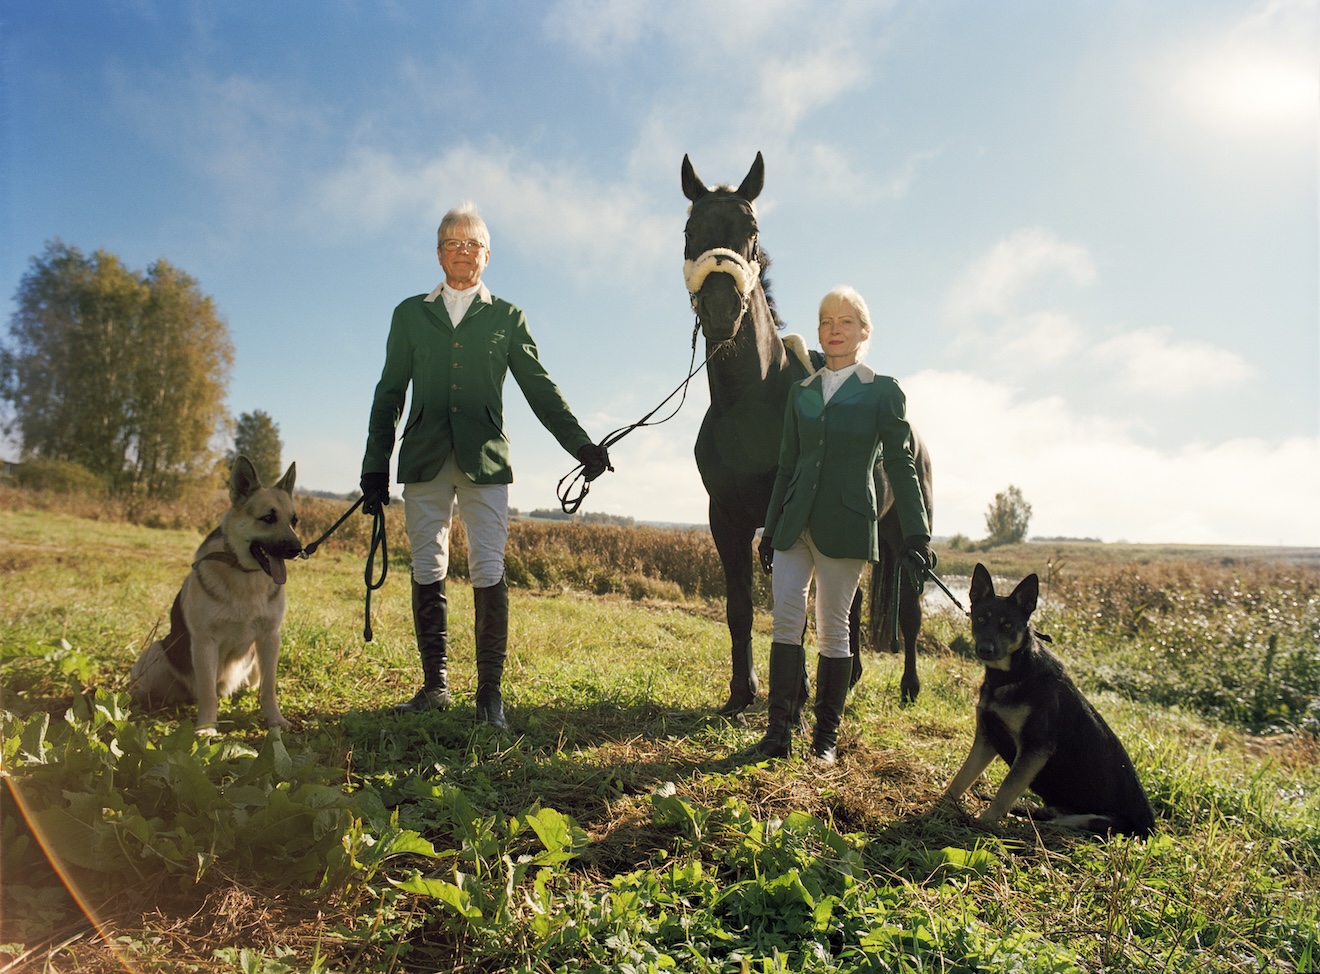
[721, 257]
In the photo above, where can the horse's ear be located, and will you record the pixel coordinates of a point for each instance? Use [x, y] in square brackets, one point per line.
[751, 186]
[693, 188]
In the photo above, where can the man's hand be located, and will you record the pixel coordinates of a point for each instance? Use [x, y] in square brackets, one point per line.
[375, 492]
[595, 460]
[766, 551]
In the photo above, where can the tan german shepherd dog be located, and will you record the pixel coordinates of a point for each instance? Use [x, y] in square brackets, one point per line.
[225, 622]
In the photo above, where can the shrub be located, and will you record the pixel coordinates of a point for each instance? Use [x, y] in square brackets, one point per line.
[60, 476]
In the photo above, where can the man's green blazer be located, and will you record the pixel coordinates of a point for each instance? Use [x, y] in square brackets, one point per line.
[825, 462]
[457, 375]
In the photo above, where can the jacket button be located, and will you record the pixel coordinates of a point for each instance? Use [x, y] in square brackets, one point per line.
[453, 409]
[453, 385]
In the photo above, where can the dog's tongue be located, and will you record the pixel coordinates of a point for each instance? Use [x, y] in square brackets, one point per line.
[278, 573]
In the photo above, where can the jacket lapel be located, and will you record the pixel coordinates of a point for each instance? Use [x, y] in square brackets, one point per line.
[812, 400]
[437, 310]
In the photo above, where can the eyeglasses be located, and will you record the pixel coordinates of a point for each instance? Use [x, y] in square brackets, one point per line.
[467, 246]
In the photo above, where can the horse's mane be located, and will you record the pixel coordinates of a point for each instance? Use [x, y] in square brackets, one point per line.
[765, 286]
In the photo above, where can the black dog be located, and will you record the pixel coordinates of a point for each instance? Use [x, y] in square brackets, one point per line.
[1033, 716]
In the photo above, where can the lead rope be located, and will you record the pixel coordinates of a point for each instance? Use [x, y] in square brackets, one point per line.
[378, 543]
[569, 481]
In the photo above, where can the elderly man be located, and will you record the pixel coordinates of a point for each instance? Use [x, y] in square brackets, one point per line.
[455, 346]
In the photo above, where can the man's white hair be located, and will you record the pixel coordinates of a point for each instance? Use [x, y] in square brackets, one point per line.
[846, 293]
[464, 217]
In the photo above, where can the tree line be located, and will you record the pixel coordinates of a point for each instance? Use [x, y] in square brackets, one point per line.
[124, 373]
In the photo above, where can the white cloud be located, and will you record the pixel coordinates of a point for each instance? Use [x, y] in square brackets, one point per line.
[590, 228]
[794, 85]
[993, 284]
[598, 28]
[240, 132]
[1086, 476]
[989, 300]
[1037, 340]
[825, 169]
[1151, 363]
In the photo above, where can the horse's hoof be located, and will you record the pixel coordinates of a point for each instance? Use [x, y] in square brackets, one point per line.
[734, 706]
[735, 717]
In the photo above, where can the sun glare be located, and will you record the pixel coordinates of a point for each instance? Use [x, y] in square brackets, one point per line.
[1252, 89]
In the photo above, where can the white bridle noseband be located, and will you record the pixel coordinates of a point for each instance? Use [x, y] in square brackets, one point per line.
[745, 273]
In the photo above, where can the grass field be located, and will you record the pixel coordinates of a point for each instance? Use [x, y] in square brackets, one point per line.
[608, 830]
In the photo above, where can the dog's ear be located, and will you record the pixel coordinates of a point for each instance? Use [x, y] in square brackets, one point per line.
[243, 480]
[983, 587]
[1026, 593]
[286, 482]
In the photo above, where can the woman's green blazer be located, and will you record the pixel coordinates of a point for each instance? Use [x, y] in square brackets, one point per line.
[825, 461]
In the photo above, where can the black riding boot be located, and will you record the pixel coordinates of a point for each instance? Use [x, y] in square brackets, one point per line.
[785, 703]
[832, 684]
[431, 625]
[492, 638]
[743, 686]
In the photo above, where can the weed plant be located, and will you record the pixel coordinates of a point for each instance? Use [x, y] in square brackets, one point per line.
[609, 830]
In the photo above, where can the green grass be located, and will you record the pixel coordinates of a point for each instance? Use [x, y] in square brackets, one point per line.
[608, 830]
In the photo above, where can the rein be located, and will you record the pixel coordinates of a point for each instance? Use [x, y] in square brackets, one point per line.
[569, 501]
[378, 542]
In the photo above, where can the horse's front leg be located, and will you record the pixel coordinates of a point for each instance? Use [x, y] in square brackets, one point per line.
[909, 621]
[733, 540]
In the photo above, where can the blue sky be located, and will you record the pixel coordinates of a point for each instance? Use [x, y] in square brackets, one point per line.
[1087, 232]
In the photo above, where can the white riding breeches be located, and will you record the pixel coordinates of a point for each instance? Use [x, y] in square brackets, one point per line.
[836, 583]
[429, 509]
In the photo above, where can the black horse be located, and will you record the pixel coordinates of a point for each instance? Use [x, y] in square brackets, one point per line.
[750, 371]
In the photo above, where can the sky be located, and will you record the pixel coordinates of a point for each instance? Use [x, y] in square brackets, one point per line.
[1087, 232]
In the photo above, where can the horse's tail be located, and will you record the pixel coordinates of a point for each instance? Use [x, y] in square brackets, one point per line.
[880, 620]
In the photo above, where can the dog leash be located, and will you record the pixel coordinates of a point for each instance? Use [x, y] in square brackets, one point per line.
[919, 575]
[569, 481]
[378, 543]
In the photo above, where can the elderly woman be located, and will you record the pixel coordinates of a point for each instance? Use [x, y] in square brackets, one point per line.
[822, 518]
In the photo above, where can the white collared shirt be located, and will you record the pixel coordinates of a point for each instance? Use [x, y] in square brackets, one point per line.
[457, 302]
[831, 380]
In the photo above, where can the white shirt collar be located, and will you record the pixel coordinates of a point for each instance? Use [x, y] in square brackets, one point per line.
[831, 379]
[466, 296]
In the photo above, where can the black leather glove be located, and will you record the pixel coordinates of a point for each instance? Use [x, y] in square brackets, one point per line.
[375, 492]
[595, 460]
[918, 557]
[766, 551]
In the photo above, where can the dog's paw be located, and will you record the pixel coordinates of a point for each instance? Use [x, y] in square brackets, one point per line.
[206, 730]
[279, 721]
